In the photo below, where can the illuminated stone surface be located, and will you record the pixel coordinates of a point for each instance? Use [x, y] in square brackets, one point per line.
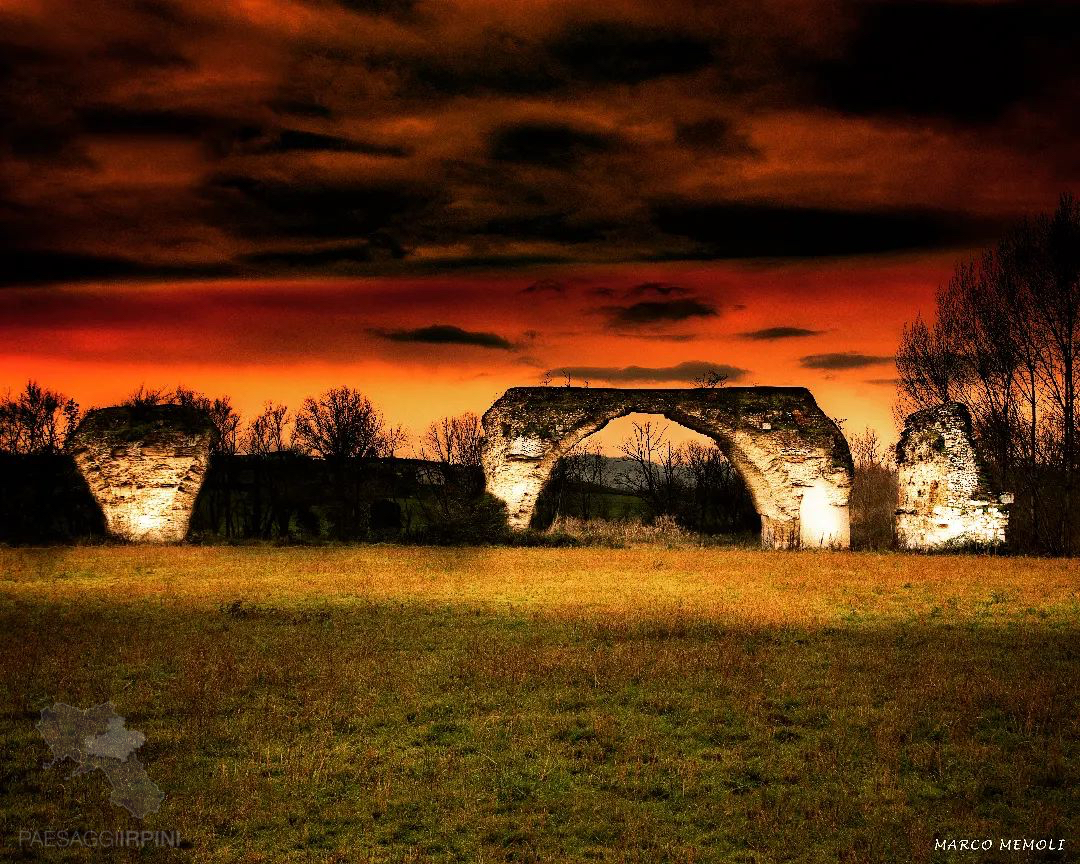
[944, 498]
[792, 457]
[145, 467]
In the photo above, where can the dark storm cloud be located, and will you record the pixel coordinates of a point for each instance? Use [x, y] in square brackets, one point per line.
[737, 230]
[298, 141]
[685, 372]
[253, 207]
[549, 144]
[660, 312]
[564, 227]
[225, 136]
[769, 334]
[29, 267]
[146, 55]
[578, 55]
[842, 360]
[967, 62]
[426, 135]
[501, 63]
[110, 120]
[391, 8]
[379, 247]
[616, 52]
[715, 134]
[447, 334]
[300, 108]
[482, 263]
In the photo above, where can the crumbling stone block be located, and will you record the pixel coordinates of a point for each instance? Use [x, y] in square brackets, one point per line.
[145, 466]
[945, 500]
[793, 458]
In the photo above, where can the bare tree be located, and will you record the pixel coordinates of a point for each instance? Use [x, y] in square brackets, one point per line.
[717, 498]
[1055, 277]
[143, 397]
[656, 467]
[984, 337]
[867, 450]
[394, 439]
[223, 415]
[873, 493]
[342, 423]
[456, 443]
[927, 363]
[266, 434]
[37, 420]
[225, 418]
[585, 474]
[1017, 286]
[710, 380]
[454, 440]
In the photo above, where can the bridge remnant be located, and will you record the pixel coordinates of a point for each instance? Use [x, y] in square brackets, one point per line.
[145, 466]
[945, 501]
[792, 457]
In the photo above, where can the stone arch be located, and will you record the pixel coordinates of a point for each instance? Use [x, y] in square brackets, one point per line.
[792, 457]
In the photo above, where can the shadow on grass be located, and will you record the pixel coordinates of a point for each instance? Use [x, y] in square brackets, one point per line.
[404, 731]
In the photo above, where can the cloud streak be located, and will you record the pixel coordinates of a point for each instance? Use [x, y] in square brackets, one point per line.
[841, 360]
[448, 334]
[685, 372]
[649, 312]
[771, 334]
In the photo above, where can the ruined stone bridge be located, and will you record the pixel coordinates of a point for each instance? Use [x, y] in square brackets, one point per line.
[792, 457]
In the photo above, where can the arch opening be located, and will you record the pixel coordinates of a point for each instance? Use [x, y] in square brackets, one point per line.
[647, 469]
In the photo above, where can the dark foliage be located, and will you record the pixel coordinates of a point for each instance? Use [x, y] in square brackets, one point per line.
[44, 499]
[290, 497]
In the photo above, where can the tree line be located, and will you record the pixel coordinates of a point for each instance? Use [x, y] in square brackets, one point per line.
[341, 423]
[331, 469]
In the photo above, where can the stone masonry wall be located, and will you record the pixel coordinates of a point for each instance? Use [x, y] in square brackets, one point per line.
[794, 460]
[944, 499]
[145, 467]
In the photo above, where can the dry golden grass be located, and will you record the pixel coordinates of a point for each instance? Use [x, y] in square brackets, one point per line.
[505, 704]
[732, 586]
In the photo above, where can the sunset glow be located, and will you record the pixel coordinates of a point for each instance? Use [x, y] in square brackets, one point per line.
[434, 202]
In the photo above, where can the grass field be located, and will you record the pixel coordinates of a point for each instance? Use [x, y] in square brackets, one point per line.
[509, 704]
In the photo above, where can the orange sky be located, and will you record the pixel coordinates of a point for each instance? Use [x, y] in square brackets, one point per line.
[284, 340]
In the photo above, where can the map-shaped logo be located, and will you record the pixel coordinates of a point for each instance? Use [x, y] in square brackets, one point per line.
[96, 739]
